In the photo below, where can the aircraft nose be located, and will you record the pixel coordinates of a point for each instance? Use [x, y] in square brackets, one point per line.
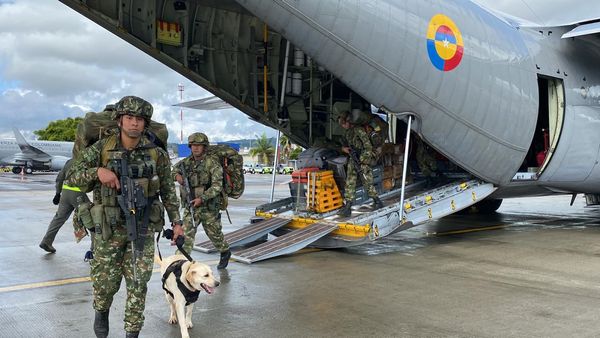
[465, 74]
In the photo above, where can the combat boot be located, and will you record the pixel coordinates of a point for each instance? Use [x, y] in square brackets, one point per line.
[101, 324]
[132, 334]
[377, 204]
[346, 210]
[225, 255]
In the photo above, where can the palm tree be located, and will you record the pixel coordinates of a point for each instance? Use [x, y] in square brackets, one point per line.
[263, 149]
[286, 147]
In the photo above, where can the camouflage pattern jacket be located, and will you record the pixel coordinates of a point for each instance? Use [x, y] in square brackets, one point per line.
[357, 139]
[84, 171]
[205, 177]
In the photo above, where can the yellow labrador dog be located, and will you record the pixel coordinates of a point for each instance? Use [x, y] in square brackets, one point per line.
[183, 281]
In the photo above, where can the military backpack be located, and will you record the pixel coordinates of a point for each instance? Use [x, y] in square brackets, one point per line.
[97, 126]
[233, 169]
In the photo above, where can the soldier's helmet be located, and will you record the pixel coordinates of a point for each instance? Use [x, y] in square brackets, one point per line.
[135, 106]
[198, 138]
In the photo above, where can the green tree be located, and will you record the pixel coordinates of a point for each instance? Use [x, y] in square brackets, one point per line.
[294, 154]
[263, 149]
[59, 130]
[285, 148]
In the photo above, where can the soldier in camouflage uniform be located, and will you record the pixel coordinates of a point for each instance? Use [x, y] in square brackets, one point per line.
[357, 140]
[97, 168]
[427, 163]
[205, 177]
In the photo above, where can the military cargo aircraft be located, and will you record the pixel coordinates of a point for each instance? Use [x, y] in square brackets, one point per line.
[512, 102]
[29, 156]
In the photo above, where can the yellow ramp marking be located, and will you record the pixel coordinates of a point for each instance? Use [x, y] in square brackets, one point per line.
[67, 281]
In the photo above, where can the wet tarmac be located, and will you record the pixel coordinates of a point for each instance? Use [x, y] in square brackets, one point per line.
[530, 270]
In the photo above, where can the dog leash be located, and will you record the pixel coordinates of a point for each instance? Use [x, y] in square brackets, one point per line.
[168, 234]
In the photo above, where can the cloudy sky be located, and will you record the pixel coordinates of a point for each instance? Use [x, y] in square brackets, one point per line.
[54, 63]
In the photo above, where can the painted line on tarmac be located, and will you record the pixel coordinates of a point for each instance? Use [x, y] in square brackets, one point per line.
[67, 281]
[464, 231]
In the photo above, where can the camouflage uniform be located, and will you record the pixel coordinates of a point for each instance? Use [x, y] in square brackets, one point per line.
[357, 139]
[426, 161]
[205, 177]
[151, 167]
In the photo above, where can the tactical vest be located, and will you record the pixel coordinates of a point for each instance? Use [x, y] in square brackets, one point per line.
[141, 163]
[200, 181]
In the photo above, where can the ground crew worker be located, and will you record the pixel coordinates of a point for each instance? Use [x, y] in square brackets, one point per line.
[356, 139]
[427, 163]
[99, 168]
[205, 177]
[67, 198]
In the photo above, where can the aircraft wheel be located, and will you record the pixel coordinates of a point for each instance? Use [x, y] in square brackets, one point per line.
[484, 207]
[16, 170]
[28, 170]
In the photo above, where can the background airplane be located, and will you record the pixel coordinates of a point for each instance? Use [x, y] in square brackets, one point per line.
[34, 155]
[489, 91]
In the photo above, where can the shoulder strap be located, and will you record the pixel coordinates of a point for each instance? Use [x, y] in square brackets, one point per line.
[110, 144]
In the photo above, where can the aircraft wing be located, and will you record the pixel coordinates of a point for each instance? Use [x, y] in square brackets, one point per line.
[583, 30]
[207, 103]
[30, 152]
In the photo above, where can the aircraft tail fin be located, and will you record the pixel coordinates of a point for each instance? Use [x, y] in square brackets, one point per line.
[25, 147]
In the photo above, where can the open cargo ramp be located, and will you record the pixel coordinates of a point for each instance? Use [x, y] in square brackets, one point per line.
[286, 244]
[246, 234]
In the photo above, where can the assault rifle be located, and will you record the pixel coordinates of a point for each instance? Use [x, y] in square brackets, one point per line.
[132, 201]
[189, 193]
[355, 158]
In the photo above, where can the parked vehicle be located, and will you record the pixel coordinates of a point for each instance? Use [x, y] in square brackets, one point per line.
[248, 169]
[263, 169]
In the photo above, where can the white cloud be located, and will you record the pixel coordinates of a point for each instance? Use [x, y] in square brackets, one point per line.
[55, 63]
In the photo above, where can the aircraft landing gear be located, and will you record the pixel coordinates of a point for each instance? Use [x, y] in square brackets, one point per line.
[18, 170]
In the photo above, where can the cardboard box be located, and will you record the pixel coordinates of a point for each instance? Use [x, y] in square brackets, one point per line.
[388, 184]
[397, 171]
[397, 159]
[388, 172]
[387, 148]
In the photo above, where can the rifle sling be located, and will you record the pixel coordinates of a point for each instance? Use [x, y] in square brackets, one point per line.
[139, 242]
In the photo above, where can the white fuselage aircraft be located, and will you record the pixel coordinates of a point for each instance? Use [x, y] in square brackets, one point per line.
[34, 155]
[511, 101]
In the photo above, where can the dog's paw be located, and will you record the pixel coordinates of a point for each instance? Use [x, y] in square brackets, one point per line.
[173, 320]
[189, 324]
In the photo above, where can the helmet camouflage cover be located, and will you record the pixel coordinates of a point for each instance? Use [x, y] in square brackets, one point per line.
[198, 138]
[133, 105]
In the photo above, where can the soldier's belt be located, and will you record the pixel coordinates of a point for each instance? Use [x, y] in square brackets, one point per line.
[68, 187]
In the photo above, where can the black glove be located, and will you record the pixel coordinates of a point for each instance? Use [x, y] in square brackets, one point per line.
[56, 199]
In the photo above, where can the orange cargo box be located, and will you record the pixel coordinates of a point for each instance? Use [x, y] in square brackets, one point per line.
[301, 175]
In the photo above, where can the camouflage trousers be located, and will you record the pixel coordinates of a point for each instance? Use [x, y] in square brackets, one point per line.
[112, 262]
[211, 222]
[426, 161]
[352, 177]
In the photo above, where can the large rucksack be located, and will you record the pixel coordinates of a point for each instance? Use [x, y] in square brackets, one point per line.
[374, 125]
[97, 126]
[233, 169]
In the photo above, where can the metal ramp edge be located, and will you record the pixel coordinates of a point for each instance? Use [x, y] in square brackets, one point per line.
[426, 206]
[449, 201]
[246, 234]
[286, 244]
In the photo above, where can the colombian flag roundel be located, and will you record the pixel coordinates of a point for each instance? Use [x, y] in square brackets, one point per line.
[444, 43]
